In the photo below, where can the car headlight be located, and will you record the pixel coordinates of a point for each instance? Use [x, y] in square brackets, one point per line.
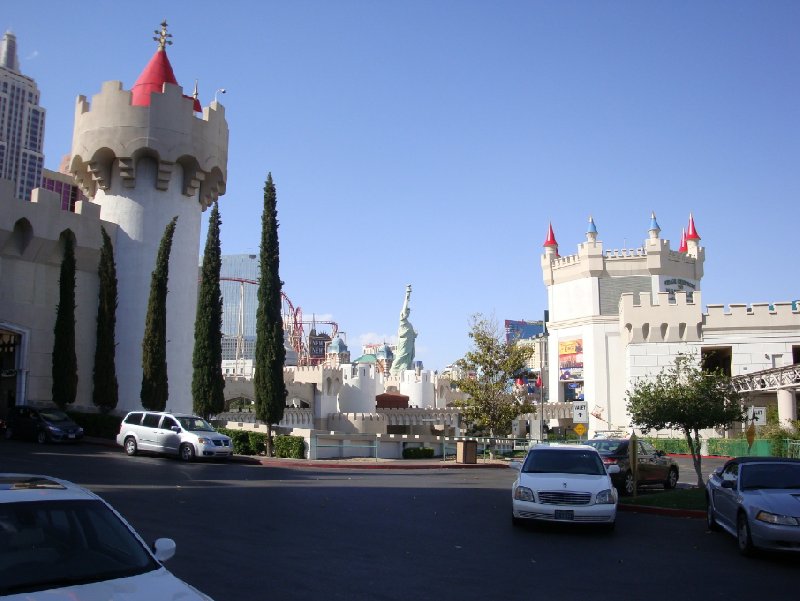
[778, 520]
[55, 429]
[606, 497]
[523, 493]
[204, 440]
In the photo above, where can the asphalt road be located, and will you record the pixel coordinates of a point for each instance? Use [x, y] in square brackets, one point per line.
[249, 532]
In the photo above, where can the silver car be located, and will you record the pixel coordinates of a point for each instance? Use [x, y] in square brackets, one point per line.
[187, 436]
[756, 499]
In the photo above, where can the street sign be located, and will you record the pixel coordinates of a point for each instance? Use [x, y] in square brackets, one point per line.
[580, 412]
[580, 429]
[757, 415]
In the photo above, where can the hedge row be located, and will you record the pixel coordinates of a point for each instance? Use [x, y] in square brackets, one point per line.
[417, 453]
[246, 442]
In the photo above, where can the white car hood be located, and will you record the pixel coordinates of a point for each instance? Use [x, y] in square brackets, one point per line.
[574, 482]
[780, 501]
[159, 584]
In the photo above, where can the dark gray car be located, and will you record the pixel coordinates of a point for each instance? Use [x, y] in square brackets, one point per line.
[41, 424]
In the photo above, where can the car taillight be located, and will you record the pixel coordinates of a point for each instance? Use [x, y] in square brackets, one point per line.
[609, 461]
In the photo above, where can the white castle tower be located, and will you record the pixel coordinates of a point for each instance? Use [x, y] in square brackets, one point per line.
[145, 157]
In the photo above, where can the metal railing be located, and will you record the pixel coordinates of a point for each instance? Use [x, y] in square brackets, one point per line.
[793, 449]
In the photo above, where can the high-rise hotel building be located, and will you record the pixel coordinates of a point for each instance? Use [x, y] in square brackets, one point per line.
[21, 123]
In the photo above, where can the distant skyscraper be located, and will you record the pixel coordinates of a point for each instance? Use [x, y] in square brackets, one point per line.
[21, 123]
[239, 304]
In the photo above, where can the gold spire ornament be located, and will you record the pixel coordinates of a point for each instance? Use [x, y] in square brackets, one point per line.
[162, 37]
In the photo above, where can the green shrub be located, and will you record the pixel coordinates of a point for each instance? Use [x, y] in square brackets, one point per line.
[100, 425]
[417, 453]
[293, 447]
[241, 441]
[670, 445]
[258, 442]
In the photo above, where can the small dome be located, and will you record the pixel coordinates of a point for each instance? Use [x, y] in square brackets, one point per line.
[337, 346]
[385, 352]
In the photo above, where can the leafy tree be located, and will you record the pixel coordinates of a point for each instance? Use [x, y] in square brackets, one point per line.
[208, 385]
[685, 397]
[488, 371]
[106, 391]
[155, 385]
[64, 359]
[270, 389]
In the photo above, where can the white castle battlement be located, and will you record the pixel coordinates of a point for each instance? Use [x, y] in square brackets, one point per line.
[111, 129]
[673, 318]
[756, 315]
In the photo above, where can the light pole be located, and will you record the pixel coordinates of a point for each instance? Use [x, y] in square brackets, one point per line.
[219, 91]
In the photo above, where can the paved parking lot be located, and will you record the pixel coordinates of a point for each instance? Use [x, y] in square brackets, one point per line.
[253, 532]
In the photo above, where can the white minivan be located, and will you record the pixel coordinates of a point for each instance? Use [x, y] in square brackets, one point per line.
[187, 436]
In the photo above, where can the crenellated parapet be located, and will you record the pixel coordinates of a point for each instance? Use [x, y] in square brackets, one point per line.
[642, 320]
[110, 131]
[761, 316]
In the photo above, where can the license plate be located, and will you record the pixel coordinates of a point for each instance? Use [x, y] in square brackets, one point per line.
[71, 435]
[565, 514]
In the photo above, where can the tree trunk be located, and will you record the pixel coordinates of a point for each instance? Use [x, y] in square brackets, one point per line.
[694, 449]
[268, 443]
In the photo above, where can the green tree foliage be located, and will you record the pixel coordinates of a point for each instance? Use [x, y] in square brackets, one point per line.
[106, 392]
[270, 389]
[155, 386]
[64, 359]
[208, 385]
[685, 397]
[487, 374]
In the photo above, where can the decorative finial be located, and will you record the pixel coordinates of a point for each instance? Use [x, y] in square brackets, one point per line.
[162, 37]
[195, 93]
[592, 227]
[654, 228]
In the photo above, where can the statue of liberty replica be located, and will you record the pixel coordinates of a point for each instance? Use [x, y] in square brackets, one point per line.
[404, 357]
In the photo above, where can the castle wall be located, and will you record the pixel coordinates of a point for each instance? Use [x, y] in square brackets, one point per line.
[30, 262]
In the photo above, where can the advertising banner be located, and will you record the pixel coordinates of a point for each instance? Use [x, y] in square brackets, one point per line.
[570, 360]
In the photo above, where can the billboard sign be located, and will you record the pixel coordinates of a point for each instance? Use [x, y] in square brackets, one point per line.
[570, 360]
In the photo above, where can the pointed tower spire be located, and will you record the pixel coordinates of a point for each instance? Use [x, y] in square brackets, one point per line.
[591, 233]
[654, 228]
[691, 233]
[683, 248]
[550, 244]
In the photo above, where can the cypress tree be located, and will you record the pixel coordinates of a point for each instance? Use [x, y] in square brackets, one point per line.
[155, 387]
[208, 385]
[270, 389]
[64, 360]
[106, 392]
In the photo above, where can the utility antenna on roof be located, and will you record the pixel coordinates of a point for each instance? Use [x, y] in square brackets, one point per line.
[162, 37]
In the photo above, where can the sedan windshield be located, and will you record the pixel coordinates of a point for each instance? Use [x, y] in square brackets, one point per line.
[560, 461]
[770, 475]
[49, 544]
[195, 424]
[54, 415]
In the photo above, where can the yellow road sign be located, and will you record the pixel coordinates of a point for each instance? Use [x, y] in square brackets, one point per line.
[580, 429]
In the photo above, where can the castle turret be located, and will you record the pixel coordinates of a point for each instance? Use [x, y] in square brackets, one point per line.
[550, 254]
[692, 238]
[144, 157]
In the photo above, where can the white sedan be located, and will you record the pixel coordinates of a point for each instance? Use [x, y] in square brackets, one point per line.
[566, 483]
[59, 541]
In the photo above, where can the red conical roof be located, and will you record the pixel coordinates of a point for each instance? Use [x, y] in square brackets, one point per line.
[551, 238]
[683, 248]
[152, 79]
[691, 233]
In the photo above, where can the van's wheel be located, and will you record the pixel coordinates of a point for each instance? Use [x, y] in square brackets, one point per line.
[187, 452]
[41, 437]
[130, 446]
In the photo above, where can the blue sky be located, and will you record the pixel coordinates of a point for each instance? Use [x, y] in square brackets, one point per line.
[431, 142]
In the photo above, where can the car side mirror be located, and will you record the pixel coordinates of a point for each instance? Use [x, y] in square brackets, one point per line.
[164, 549]
[176, 429]
[516, 465]
[612, 469]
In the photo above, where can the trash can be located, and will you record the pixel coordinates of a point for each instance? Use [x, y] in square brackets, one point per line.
[467, 451]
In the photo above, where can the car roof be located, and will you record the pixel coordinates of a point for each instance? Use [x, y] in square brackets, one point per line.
[18, 488]
[562, 447]
[172, 413]
[764, 460]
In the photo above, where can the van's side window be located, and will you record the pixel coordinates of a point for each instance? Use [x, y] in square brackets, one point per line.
[151, 420]
[134, 418]
[168, 422]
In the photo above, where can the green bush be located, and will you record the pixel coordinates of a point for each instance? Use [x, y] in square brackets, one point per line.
[258, 442]
[241, 441]
[100, 425]
[670, 445]
[293, 447]
[417, 453]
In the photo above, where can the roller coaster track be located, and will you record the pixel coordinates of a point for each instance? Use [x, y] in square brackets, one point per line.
[778, 378]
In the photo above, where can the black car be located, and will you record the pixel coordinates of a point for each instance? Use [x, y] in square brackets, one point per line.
[655, 467]
[41, 424]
